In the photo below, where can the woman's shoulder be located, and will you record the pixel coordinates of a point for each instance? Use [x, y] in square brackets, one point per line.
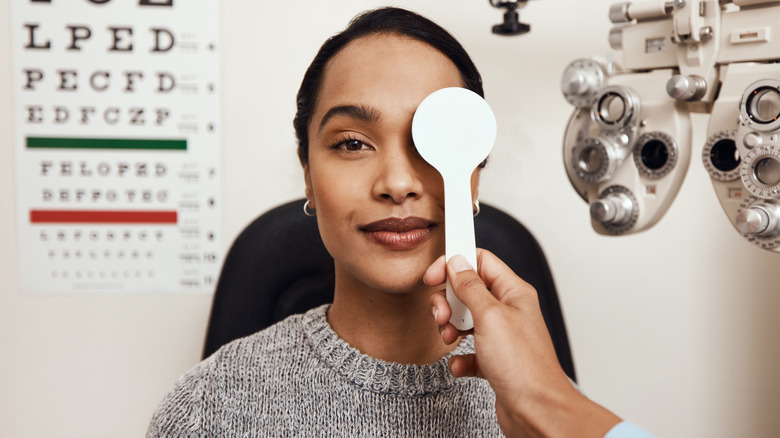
[257, 354]
[266, 346]
[239, 372]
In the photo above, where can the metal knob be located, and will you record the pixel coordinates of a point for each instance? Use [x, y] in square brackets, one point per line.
[580, 82]
[616, 38]
[576, 82]
[682, 87]
[618, 13]
[752, 221]
[614, 209]
[760, 219]
[752, 140]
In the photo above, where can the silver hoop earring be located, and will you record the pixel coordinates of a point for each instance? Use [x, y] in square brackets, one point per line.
[476, 207]
[307, 211]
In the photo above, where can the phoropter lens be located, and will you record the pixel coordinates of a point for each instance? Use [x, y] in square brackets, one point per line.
[767, 171]
[763, 105]
[724, 155]
[590, 160]
[612, 108]
[655, 154]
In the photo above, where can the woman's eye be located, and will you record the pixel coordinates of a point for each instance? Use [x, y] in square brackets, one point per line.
[352, 145]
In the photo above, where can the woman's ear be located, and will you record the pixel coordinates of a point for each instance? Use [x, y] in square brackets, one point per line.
[309, 190]
[475, 183]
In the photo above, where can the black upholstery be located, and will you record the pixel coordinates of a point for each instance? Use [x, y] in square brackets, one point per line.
[278, 266]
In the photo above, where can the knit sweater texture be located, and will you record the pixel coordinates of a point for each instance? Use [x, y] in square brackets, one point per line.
[298, 378]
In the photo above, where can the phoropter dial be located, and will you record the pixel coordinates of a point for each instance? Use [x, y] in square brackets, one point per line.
[615, 107]
[721, 156]
[759, 222]
[616, 209]
[759, 107]
[655, 154]
[760, 171]
[581, 81]
[595, 159]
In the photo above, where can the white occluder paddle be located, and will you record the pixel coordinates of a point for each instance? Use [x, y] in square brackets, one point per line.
[454, 130]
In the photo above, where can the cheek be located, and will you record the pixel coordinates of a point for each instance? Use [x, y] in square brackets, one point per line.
[335, 185]
[336, 195]
[326, 193]
[332, 220]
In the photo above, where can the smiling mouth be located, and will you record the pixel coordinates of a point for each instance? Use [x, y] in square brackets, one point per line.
[399, 234]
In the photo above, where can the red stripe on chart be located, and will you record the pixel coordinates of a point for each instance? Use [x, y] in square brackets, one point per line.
[102, 217]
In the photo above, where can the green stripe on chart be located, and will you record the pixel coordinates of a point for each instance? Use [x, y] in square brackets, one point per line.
[105, 143]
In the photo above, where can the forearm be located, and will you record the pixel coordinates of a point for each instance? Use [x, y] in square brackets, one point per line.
[556, 414]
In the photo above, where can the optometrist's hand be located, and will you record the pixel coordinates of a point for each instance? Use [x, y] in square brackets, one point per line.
[514, 351]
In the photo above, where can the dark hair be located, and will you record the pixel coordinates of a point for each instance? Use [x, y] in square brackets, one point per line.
[378, 21]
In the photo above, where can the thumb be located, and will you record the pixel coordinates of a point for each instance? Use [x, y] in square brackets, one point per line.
[467, 285]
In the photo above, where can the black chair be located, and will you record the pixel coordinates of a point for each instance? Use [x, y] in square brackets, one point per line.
[278, 266]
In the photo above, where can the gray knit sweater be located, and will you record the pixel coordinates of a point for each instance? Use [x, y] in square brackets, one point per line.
[298, 378]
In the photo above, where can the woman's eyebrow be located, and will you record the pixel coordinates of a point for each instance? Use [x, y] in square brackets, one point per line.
[360, 112]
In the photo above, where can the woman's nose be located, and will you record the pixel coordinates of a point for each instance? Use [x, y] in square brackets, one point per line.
[399, 176]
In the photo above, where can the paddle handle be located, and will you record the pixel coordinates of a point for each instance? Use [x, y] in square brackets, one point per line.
[459, 239]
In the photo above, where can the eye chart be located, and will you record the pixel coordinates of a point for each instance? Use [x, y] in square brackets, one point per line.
[116, 144]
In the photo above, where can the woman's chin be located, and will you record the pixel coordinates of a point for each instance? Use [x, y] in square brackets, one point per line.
[392, 272]
[397, 280]
[402, 289]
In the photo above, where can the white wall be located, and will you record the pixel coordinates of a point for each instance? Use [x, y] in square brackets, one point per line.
[673, 328]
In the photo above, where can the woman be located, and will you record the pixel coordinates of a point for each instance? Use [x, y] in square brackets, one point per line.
[372, 363]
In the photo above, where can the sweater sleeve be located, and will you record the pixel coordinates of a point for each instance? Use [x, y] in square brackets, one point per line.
[627, 430]
[181, 413]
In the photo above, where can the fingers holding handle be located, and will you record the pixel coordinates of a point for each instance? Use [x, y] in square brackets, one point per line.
[471, 287]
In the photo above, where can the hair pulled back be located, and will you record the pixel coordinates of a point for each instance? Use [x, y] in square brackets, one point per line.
[378, 21]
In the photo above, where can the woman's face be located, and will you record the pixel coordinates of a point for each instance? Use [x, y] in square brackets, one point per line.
[380, 206]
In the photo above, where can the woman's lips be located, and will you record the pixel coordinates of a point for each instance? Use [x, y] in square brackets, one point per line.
[399, 234]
